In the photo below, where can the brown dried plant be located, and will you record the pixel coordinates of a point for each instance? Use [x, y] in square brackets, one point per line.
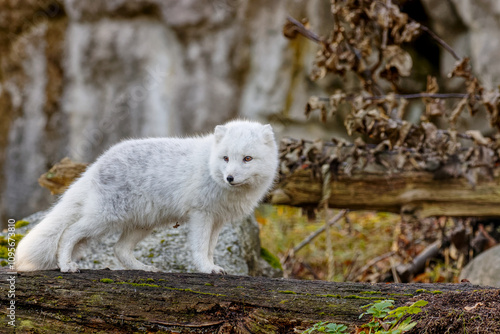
[367, 40]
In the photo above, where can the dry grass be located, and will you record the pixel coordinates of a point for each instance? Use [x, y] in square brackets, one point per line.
[356, 240]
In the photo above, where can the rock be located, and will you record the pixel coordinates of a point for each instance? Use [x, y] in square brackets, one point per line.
[238, 250]
[484, 269]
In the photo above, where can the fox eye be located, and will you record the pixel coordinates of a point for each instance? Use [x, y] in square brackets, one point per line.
[247, 158]
[226, 159]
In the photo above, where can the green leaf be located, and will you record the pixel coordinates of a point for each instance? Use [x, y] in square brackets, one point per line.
[420, 303]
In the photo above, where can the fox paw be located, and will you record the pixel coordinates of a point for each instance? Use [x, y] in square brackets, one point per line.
[213, 269]
[70, 267]
[218, 270]
[151, 268]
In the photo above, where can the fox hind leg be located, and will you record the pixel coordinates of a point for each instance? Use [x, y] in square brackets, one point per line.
[83, 229]
[124, 249]
[79, 249]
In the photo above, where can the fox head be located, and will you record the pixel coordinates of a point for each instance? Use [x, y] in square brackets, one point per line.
[244, 154]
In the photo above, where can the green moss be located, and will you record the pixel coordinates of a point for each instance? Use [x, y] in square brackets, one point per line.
[360, 297]
[435, 292]
[287, 292]
[209, 284]
[270, 258]
[59, 277]
[168, 288]
[26, 324]
[329, 296]
[370, 292]
[139, 284]
[4, 244]
[401, 294]
[199, 292]
[107, 280]
[21, 223]
[349, 297]
[96, 299]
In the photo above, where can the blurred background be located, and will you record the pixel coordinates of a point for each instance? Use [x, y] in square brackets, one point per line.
[79, 76]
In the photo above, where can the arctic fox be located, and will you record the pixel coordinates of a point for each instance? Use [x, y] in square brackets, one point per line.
[142, 184]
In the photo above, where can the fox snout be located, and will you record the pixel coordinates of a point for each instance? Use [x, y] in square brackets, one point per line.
[234, 180]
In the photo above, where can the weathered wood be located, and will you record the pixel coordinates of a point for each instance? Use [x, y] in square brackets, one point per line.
[137, 301]
[412, 192]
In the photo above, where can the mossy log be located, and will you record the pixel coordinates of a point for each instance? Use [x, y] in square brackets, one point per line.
[418, 193]
[104, 301]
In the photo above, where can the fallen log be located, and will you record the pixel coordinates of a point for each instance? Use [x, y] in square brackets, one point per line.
[137, 301]
[418, 193]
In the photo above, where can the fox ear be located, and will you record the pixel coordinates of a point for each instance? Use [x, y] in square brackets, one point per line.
[268, 133]
[220, 131]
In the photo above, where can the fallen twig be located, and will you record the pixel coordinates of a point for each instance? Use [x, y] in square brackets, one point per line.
[313, 235]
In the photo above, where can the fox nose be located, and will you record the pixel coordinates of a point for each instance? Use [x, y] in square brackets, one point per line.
[230, 178]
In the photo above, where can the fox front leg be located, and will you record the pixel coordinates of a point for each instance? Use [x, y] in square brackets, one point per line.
[201, 230]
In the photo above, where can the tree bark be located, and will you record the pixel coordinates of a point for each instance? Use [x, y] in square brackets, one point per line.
[417, 193]
[135, 301]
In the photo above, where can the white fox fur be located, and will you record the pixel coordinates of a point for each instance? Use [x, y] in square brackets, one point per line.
[139, 185]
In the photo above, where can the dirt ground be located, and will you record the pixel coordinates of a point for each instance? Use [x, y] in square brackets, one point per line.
[464, 312]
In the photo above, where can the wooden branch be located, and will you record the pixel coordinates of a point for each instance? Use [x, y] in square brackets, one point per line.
[136, 301]
[440, 41]
[417, 265]
[314, 234]
[406, 192]
[405, 96]
[301, 29]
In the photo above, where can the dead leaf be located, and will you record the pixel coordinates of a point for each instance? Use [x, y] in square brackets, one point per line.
[490, 100]
[432, 85]
[397, 59]
[403, 133]
[314, 103]
[462, 68]
[470, 308]
[458, 110]
[410, 31]
[477, 137]
[434, 107]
